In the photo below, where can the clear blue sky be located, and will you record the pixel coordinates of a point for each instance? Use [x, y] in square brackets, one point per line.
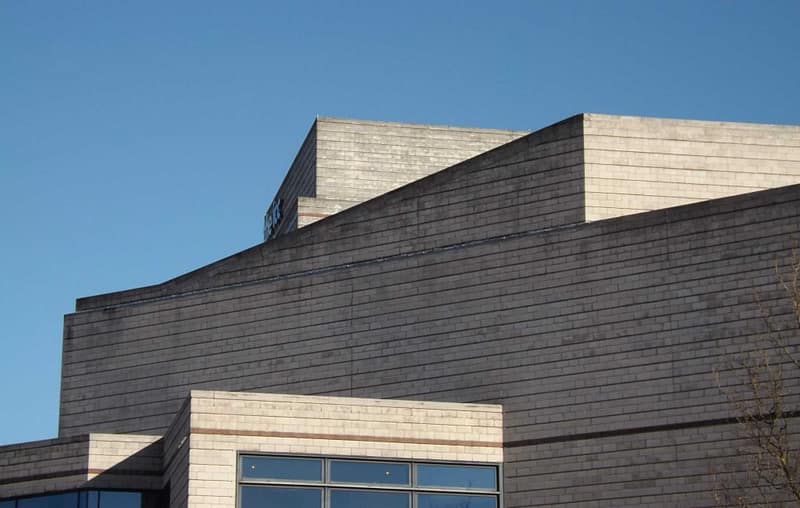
[140, 140]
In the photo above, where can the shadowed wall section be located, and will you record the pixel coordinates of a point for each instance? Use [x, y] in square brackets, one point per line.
[482, 283]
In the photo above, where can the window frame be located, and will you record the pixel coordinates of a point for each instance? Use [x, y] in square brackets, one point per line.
[82, 497]
[327, 485]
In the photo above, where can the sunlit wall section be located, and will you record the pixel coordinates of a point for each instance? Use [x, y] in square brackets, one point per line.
[407, 442]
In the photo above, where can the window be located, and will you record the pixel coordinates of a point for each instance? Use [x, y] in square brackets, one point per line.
[271, 481]
[80, 499]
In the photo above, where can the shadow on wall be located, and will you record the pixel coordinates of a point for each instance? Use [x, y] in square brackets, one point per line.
[142, 471]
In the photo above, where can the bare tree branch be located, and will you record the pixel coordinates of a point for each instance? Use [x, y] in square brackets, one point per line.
[764, 406]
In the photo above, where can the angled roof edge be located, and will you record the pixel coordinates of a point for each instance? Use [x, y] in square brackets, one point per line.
[147, 294]
[174, 285]
[356, 121]
[203, 277]
[693, 121]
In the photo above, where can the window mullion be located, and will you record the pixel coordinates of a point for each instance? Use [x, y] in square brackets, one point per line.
[363, 479]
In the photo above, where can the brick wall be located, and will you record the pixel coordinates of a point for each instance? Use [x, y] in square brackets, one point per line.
[636, 164]
[480, 283]
[344, 162]
[87, 462]
[176, 456]
[224, 423]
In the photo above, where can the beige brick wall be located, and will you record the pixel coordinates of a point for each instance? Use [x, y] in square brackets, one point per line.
[88, 461]
[636, 164]
[224, 423]
[43, 466]
[357, 160]
[124, 460]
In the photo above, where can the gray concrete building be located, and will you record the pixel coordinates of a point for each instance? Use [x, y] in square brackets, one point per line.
[441, 317]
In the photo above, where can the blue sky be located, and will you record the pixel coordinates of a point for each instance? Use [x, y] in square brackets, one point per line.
[141, 140]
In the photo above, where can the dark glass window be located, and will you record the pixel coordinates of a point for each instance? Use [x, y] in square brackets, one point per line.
[369, 498]
[465, 477]
[112, 499]
[263, 496]
[298, 482]
[79, 499]
[67, 500]
[455, 501]
[282, 468]
[87, 499]
[354, 471]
